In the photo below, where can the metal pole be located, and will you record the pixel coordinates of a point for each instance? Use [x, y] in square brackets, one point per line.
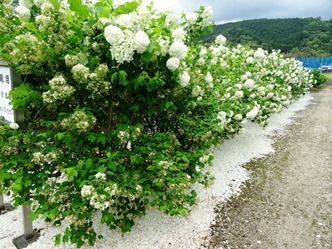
[2, 203]
[27, 222]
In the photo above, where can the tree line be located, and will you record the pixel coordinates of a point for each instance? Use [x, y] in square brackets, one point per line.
[299, 37]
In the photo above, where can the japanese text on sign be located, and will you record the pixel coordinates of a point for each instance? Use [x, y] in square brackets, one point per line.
[6, 110]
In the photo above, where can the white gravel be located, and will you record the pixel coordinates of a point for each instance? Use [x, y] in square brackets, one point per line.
[159, 231]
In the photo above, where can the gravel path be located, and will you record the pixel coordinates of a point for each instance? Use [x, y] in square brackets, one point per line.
[287, 204]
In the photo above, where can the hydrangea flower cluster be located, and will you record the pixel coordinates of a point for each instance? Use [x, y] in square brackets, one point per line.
[44, 159]
[59, 91]
[79, 121]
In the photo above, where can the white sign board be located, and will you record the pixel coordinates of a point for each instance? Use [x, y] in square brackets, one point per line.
[8, 80]
[6, 110]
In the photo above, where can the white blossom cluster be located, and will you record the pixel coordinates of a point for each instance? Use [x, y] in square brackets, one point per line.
[96, 81]
[124, 137]
[124, 43]
[253, 113]
[79, 121]
[132, 33]
[106, 200]
[14, 126]
[59, 91]
[44, 159]
[23, 12]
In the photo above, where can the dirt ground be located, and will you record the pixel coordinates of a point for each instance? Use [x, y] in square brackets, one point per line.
[287, 204]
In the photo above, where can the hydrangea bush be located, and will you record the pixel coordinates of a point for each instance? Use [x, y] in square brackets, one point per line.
[122, 105]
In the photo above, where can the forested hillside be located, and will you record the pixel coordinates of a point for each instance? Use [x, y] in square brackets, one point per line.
[293, 36]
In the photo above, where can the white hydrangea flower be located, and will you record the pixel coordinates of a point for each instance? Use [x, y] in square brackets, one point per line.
[197, 91]
[220, 40]
[178, 50]
[238, 86]
[200, 62]
[184, 79]
[179, 34]
[14, 126]
[259, 54]
[123, 51]
[221, 116]
[207, 12]
[253, 113]
[238, 94]
[80, 72]
[141, 42]
[191, 18]
[173, 63]
[124, 21]
[203, 52]
[23, 12]
[208, 78]
[237, 117]
[250, 60]
[46, 7]
[249, 84]
[113, 34]
[213, 61]
[270, 95]
[100, 176]
[86, 190]
[244, 77]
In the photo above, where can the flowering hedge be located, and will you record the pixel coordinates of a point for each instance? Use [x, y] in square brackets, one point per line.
[121, 107]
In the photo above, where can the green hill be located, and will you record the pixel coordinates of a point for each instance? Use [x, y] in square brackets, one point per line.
[293, 36]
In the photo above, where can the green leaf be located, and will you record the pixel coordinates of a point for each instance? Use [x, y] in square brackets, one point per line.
[115, 77]
[33, 216]
[92, 137]
[139, 81]
[146, 57]
[27, 183]
[101, 138]
[17, 187]
[60, 135]
[80, 9]
[71, 173]
[103, 8]
[154, 84]
[57, 239]
[22, 94]
[80, 164]
[126, 8]
[169, 104]
[53, 214]
[123, 78]
[88, 163]
[55, 3]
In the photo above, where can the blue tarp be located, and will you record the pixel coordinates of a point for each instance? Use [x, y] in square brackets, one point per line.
[316, 62]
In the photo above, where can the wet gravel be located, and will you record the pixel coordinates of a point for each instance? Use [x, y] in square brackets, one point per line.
[287, 203]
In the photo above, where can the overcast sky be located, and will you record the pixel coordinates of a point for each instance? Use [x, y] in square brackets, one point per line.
[235, 10]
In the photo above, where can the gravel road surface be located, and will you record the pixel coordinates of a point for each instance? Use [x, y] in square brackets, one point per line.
[287, 204]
